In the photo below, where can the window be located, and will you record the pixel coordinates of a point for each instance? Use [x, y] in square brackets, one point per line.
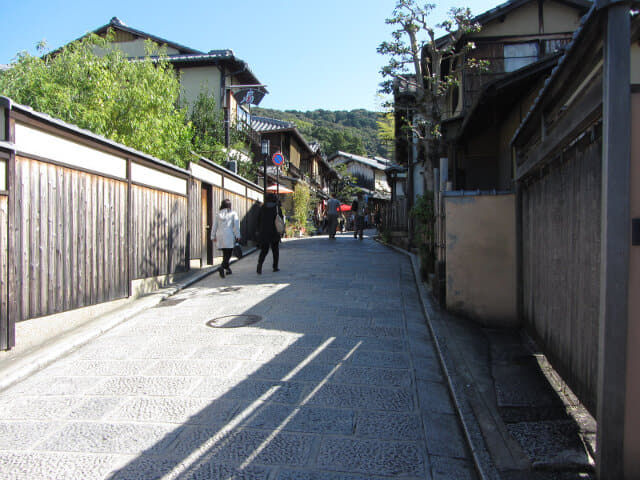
[518, 55]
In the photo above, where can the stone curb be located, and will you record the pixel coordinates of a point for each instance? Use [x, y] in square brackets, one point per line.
[30, 363]
[458, 390]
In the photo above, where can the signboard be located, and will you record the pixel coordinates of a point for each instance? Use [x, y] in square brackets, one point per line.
[278, 159]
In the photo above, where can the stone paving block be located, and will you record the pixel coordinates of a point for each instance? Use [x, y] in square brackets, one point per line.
[34, 408]
[434, 397]
[389, 426]
[113, 351]
[330, 421]
[233, 352]
[250, 390]
[98, 368]
[360, 396]
[107, 438]
[381, 359]
[93, 408]
[444, 435]
[191, 367]
[179, 351]
[306, 475]
[22, 435]
[41, 466]
[171, 410]
[41, 384]
[349, 331]
[372, 457]
[294, 355]
[312, 372]
[380, 377]
[258, 447]
[427, 368]
[160, 386]
[216, 471]
[371, 344]
[445, 468]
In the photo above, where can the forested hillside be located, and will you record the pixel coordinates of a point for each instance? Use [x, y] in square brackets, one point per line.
[354, 131]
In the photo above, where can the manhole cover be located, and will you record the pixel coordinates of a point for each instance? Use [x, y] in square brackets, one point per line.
[233, 321]
[171, 302]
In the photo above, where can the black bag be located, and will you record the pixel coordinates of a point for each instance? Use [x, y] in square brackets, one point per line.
[237, 250]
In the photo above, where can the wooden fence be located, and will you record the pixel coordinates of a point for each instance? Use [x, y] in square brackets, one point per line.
[561, 263]
[81, 217]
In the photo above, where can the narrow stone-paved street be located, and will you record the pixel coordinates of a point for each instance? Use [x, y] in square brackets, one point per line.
[333, 377]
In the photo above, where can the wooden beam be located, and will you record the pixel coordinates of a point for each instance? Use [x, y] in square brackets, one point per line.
[615, 239]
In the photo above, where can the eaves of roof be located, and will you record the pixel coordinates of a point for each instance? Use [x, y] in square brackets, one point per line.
[503, 87]
[376, 162]
[264, 125]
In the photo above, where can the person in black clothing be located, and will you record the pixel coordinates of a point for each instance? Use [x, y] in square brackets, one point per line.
[268, 236]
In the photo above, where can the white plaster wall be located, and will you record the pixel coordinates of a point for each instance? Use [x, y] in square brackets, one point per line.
[154, 178]
[234, 187]
[3, 175]
[35, 142]
[205, 175]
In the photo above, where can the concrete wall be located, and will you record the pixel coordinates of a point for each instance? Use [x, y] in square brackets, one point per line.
[632, 415]
[481, 258]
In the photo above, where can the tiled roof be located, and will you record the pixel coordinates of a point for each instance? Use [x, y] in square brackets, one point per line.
[376, 162]
[264, 124]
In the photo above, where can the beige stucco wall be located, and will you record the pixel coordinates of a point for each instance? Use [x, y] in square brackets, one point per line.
[632, 414]
[635, 64]
[524, 21]
[133, 48]
[481, 258]
[194, 80]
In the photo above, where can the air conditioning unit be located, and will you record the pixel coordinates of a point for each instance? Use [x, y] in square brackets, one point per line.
[233, 166]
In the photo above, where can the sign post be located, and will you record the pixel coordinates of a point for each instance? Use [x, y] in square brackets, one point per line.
[278, 160]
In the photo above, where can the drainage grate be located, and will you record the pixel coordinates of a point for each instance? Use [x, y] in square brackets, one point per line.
[233, 321]
[170, 302]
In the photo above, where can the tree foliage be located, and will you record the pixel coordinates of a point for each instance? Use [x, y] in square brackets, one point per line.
[134, 103]
[346, 188]
[352, 131]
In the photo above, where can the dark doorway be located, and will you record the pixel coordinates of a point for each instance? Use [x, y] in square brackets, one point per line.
[207, 218]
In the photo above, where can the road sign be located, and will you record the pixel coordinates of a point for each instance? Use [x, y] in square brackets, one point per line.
[277, 159]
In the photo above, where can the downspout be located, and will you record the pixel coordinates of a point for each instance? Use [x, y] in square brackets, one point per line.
[615, 239]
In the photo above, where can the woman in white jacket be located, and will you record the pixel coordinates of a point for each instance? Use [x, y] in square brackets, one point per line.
[225, 232]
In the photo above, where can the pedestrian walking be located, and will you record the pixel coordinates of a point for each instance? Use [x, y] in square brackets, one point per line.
[268, 235]
[360, 207]
[225, 232]
[332, 215]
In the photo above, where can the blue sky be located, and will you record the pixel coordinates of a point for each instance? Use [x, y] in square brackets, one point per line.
[311, 53]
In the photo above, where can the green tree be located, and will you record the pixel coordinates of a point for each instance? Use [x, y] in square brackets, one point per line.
[301, 205]
[134, 103]
[387, 132]
[346, 188]
[427, 76]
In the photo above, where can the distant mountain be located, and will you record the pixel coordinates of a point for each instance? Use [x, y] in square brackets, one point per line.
[354, 131]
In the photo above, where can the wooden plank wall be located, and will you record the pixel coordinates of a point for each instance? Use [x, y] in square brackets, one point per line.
[71, 237]
[159, 232]
[561, 264]
[195, 219]
[4, 270]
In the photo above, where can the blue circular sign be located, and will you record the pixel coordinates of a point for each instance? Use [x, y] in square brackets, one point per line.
[277, 159]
